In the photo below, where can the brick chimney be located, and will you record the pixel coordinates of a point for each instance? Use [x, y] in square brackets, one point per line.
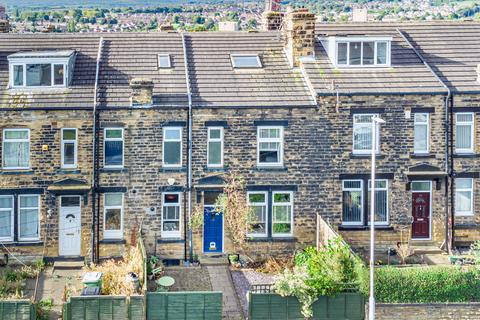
[142, 92]
[299, 35]
[272, 18]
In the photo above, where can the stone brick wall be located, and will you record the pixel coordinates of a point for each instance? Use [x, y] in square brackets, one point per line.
[425, 311]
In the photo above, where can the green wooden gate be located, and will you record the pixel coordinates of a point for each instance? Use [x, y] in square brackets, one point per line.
[270, 306]
[104, 308]
[184, 306]
[17, 310]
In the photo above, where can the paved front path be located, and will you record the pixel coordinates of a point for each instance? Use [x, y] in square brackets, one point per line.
[222, 281]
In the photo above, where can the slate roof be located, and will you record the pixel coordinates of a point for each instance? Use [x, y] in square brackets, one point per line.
[406, 75]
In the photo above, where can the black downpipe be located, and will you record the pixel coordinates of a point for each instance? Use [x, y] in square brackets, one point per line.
[185, 225]
[452, 177]
[95, 195]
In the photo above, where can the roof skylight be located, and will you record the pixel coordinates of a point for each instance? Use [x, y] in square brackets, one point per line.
[246, 61]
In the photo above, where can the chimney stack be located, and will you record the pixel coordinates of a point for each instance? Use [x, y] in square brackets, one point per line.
[4, 24]
[272, 18]
[299, 35]
[142, 92]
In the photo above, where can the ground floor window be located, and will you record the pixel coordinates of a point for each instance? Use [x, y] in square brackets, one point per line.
[6, 218]
[464, 196]
[113, 216]
[356, 196]
[272, 213]
[171, 215]
[29, 217]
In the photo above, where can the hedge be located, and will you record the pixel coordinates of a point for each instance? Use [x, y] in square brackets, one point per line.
[424, 284]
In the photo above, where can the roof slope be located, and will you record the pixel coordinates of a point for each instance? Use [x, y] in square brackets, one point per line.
[452, 49]
[406, 75]
[215, 83]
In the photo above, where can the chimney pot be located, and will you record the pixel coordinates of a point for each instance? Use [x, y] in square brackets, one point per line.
[142, 92]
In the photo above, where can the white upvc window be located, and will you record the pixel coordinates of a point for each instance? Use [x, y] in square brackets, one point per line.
[113, 148]
[38, 74]
[215, 147]
[29, 217]
[6, 218]
[352, 207]
[357, 52]
[381, 201]
[245, 61]
[113, 215]
[421, 133]
[171, 215]
[270, 146]
[258, 203]
[464, 132]
[282, 214]
[16, 148]
[464, 196]
[172, 147]
[164, 61]
[69, 148]
[362, 134]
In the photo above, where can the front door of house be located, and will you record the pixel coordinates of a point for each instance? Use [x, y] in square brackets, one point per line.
[70, 226]
[212, 230]
[421, 215]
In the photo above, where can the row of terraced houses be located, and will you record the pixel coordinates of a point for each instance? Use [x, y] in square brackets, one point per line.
[104, 134]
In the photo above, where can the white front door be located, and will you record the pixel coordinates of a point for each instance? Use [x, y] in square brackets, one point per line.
[70, 226]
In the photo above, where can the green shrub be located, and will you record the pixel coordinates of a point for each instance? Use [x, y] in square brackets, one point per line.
[424, 284]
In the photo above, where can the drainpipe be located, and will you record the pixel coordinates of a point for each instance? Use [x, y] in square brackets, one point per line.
[448, 172]
[189, 142]
[95, 220]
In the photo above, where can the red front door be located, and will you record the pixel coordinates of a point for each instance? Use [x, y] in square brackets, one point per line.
[421, 215]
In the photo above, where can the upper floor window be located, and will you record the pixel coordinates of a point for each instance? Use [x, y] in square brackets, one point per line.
[421, 133]
[215, 147]
[113, 216]
[270, 146]
[113, 147]
[464, 132]
[362, 134]
[40, 69]
[464, 196]
[172, 147]
[246, 61]
[164, 61]
[362, 52]
[29, 217]
[16, 148]
[6, 218]
[69, 148]
[171, 215]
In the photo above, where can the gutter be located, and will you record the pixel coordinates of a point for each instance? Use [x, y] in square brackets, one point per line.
[95, 218]
[449, 241]
[189, 142]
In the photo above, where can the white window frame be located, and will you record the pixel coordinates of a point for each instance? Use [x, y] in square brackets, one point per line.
[268, 140]
[472, 194]
[172, 234]
[354, 223]
[258, 66]
[472, 132]
[380, 223]
[75, 148]
[375, 55]
[265, 204]
[377, 133]
[164, 55]
[20, 238]
[105, 139]
[180, 140]
[210, 139]
[4, 140]
[12, 228]
[422, 123]
[290, 234]
[51, 62]
[113, 234]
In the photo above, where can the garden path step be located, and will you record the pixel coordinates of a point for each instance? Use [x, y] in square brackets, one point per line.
[213, 260]
[221, 280]
[68, 265]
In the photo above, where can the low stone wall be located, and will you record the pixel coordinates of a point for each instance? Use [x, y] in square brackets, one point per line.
[425, 311]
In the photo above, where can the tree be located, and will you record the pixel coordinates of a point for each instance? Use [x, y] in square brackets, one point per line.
[71, 25]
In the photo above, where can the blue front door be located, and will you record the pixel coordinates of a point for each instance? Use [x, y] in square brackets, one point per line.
[212, 231]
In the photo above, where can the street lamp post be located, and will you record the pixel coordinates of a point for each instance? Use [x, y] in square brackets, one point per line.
[376, 121]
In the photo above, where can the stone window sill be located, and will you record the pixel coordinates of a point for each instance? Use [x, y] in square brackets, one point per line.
[113, 241]
[422, 156]
[172, 240]
[215, 169]
[69, 171]
[23, 244]
[366, 156]
[173, 169]
[12, 172]
[466, 155]
[272, 239]
[119, 170]
[363, 228]
[271, 169]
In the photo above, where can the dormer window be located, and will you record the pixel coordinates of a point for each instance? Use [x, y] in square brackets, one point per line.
[41, 69]
[359, 51]
[245, 61]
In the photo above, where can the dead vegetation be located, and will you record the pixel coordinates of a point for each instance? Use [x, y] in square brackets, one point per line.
[274, 265]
